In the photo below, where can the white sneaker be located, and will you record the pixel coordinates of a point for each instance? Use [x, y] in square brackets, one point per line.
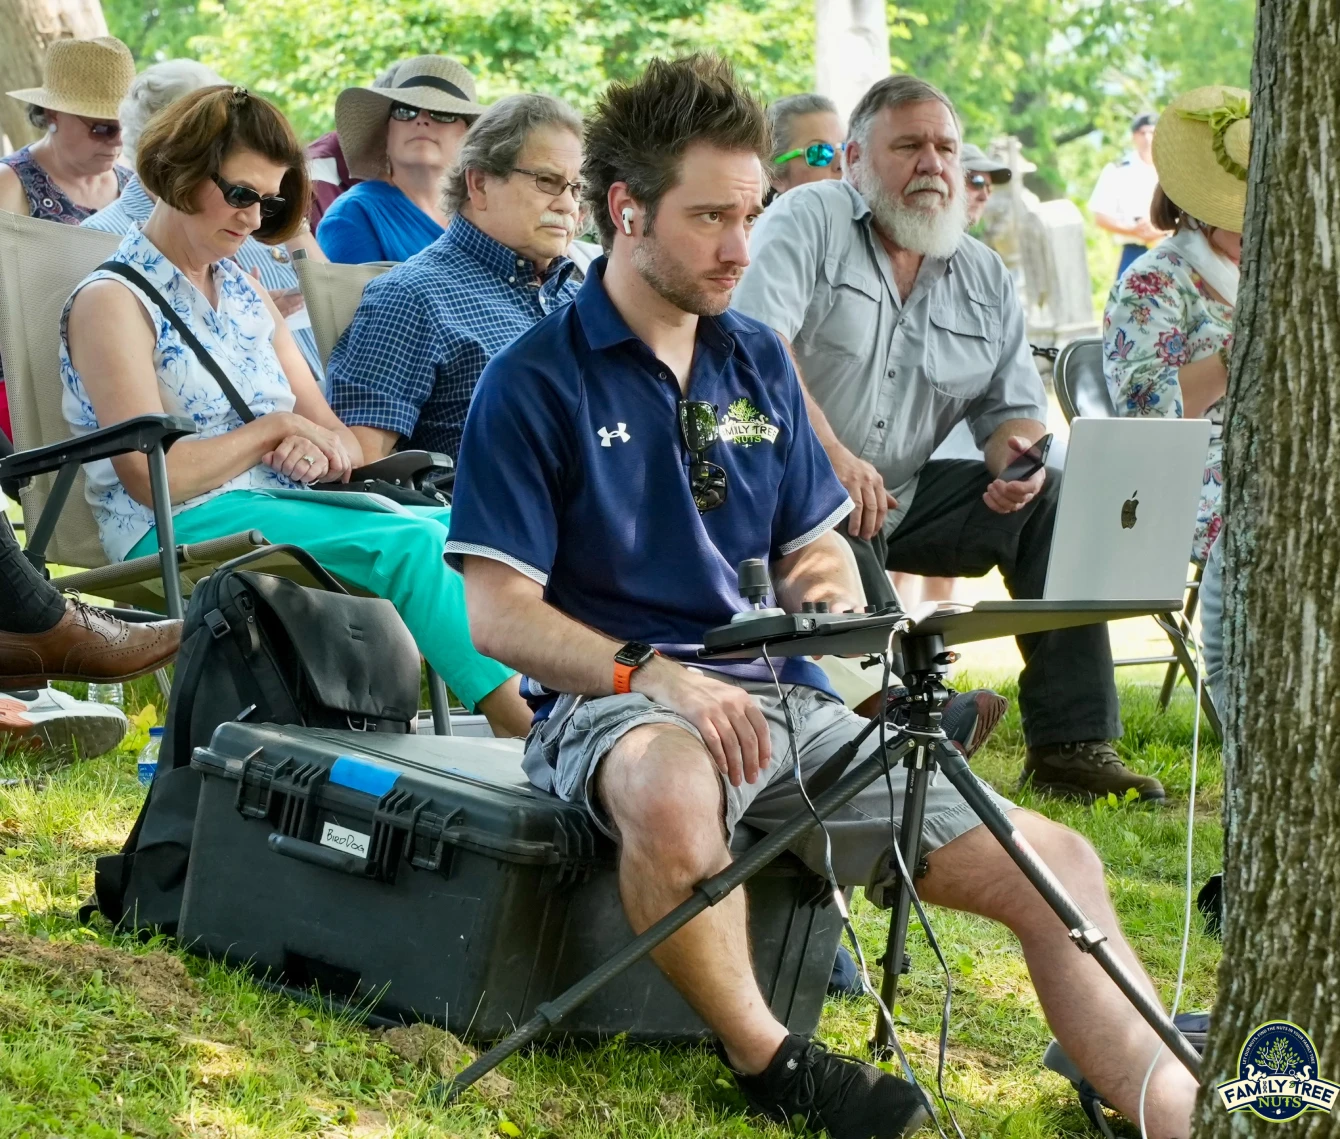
[51, 719]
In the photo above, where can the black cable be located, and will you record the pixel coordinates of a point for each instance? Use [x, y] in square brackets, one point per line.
[831, 878]
[932, 940]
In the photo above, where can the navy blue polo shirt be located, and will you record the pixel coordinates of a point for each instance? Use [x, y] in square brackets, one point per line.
[572, 470]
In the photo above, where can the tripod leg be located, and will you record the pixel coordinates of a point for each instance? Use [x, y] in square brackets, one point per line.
[900, 909]
[1088, 938]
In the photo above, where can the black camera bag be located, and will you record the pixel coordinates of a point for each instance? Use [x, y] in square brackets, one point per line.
[260, 649]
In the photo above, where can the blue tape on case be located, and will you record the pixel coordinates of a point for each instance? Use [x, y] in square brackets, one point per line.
[363, 775]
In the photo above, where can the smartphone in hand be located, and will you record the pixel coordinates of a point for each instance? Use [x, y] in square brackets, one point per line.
[1029, 463]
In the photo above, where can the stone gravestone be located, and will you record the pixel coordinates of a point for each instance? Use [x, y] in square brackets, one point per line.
[1042, 244]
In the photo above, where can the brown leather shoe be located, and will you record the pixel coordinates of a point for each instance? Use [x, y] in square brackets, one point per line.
[86, 644]
[1085, 771]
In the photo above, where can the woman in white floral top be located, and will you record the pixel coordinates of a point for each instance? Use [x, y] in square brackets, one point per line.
[1168, 325]
[224, 165]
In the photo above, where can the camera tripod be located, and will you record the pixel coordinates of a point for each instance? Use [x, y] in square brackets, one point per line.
[919, 744]
[925, 749]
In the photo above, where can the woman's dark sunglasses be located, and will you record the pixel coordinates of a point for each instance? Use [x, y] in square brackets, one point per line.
[101, 128]
[978, 181]
[244, 197]
[404, 113]
[816, 154]
[698, 426]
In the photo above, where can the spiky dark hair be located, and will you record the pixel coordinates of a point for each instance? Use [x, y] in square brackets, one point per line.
[640, 130]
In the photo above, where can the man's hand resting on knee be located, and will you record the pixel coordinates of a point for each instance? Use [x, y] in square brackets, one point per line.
[511, 622]
[728, 718]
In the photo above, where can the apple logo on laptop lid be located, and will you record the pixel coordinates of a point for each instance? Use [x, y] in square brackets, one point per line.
[1128, 509]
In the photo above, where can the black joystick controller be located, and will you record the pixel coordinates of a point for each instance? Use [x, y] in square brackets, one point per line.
[755, 585]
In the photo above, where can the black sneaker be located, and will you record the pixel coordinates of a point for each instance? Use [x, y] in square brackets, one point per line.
[848, 1098]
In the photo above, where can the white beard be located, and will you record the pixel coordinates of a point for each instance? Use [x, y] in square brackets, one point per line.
[932, 233]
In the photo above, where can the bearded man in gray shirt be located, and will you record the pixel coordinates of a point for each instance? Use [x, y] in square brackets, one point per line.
[902, 326]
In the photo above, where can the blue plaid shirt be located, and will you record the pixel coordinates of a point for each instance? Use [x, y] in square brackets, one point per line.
[423, 332]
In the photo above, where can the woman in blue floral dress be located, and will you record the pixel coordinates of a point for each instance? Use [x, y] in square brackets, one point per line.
[1168, 325]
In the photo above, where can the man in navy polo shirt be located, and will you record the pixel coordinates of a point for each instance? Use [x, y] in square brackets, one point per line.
[618, 461]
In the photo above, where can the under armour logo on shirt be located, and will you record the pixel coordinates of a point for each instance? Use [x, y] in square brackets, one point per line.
[606, 435]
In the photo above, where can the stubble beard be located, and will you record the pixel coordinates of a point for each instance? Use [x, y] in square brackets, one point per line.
[672, 282]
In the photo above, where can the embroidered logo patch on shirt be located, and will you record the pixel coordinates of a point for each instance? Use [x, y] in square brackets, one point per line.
[744, 424]
[607, 436]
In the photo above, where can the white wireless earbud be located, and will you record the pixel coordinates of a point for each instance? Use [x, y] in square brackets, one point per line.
[627, 216]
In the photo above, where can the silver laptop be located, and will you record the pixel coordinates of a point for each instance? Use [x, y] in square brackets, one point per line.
[1127, 509]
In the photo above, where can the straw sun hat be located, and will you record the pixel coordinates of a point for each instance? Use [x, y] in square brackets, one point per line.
[83, 77]
[1201, 149]
[429, 82]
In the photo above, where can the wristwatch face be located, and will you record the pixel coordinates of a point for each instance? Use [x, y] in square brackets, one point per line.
[634, 654]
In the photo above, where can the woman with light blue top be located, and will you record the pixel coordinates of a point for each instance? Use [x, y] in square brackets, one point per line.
[154, 88]
[401, 140]
[224, 165]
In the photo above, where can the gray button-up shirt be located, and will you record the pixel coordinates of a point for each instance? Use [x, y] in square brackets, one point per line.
[893, 378]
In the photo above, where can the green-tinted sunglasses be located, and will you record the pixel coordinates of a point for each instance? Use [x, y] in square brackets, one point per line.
[816, 154]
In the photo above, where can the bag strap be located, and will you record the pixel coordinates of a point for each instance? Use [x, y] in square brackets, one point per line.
[189, 338]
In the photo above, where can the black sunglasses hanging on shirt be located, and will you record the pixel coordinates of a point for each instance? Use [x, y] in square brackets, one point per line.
[699, 428]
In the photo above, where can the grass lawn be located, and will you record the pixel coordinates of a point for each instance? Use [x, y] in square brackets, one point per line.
[101, 1036]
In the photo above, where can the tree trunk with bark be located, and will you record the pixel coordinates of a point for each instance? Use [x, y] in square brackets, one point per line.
[26, 28]
[1282, 751]
[851, 49]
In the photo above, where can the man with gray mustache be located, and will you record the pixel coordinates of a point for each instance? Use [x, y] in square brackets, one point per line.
[902, 326]
[403, 372]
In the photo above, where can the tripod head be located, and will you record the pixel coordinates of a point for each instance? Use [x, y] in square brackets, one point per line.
[926, 662]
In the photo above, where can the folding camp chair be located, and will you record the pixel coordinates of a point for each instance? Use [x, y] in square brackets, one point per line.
[1081, 389]
[41, 262]
[332, 293]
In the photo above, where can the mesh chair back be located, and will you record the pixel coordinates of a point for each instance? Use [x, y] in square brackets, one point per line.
[41, 262]
[1081, 386]
[332, 293]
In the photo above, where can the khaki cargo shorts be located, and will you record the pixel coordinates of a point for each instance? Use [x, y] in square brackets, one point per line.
[564, 753]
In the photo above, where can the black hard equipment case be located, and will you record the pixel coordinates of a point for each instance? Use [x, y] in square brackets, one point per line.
[423, 878]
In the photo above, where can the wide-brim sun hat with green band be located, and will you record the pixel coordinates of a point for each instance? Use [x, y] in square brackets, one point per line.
[1202, 146]
[429, 82]
[83, 77]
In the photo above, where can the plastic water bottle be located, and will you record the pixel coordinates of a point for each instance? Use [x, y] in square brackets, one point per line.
[148, 762]
[113, 694]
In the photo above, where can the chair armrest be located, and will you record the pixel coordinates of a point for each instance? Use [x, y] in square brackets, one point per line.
[405, 468]
[143, 433]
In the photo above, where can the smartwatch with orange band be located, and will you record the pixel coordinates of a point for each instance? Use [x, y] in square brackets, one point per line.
[627, 661]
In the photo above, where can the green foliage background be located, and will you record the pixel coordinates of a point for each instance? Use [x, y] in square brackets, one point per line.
[1063, 75]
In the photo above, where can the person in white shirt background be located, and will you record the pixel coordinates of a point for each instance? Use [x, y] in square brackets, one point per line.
[1120, 199]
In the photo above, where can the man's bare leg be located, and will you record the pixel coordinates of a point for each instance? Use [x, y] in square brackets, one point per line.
[1095, 1024]
[663, 793]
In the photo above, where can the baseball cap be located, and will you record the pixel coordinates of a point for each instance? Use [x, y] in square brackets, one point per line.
[974, 160]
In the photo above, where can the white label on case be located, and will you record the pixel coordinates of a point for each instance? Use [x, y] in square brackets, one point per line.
[342, 838]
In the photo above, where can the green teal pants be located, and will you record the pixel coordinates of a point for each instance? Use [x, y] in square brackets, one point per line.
[395, 556]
